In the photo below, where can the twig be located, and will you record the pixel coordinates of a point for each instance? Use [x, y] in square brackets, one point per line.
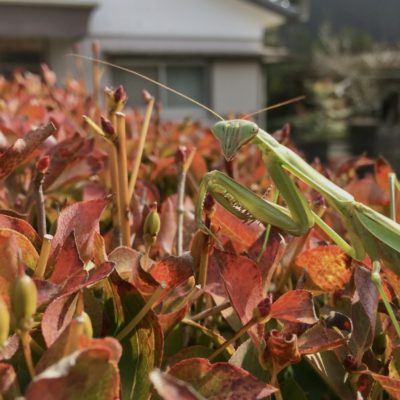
[140, 315]
[233, 339]
[142, 141]
[123, 179]
[22, 148]
[44, 256]
[183, 161]
[211, 311]
[96, 71]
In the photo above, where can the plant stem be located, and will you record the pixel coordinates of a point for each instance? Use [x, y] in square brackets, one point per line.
[377, 280]
[113, 153]
[44, 256]
[96, 73]
[140, 315]
[211, 311]
[123, 179]
[275, 383]
[183, 167]
[39, 200]
[25, 341]
[236, 336]
[142, 141]
[392, 194]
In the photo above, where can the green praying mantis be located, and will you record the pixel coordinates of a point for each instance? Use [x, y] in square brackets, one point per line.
[370, 233]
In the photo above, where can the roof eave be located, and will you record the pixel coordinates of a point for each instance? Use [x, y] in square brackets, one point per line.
[288, 12]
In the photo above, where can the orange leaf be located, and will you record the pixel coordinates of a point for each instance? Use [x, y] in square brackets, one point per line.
[327, 266]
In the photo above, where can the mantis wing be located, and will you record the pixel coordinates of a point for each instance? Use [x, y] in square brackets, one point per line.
[383, 228]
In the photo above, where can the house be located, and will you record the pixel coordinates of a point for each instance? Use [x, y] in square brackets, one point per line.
[212, 50]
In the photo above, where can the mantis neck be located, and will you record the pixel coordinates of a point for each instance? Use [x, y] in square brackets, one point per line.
[293, 163]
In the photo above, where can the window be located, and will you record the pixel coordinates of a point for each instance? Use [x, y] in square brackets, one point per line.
[19, 53]
[188, 78]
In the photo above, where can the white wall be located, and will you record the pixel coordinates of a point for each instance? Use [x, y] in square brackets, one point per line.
[237, 86]
[183, 18]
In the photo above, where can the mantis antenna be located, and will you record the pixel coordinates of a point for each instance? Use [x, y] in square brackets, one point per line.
[130, 71]
[277, 105]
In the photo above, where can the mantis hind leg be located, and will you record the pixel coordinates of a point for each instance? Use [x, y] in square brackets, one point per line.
[246, 205]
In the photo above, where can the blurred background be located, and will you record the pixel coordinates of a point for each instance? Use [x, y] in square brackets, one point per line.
[235, 56]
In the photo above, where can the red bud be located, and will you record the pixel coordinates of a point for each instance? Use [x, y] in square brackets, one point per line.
[107, 126]
[119, 94]
[181, 155]
[43, 164]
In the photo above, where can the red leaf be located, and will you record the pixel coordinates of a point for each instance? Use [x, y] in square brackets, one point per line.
[168, 321]
[68, 263]
[57, 316]
[392, 386]
[21, 226]
[235, 229]
[295, 306]
[242, 279]
[22, 148]
[60, 346]
[166, 236]
[172, 271]
[220, 381]
[319, 338]
[88, 373]
[7, 377]
[170, 388]
[127, 264]
[367, 294]
[83, 219]
[274, 249]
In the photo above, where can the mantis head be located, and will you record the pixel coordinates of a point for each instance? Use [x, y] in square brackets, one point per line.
[234, 134]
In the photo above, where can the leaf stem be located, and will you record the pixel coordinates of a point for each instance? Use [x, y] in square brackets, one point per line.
[140, 315]
[44, 256]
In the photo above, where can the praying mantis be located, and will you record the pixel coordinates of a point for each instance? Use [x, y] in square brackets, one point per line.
[370, 233]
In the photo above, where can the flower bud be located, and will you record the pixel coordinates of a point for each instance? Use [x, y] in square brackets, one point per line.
[262, 311]
[350, 363]
[23, 301]
[181, 155]
[147, 97]
[43, 164]
[107, 127]
[151, 225]
[4, 323]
